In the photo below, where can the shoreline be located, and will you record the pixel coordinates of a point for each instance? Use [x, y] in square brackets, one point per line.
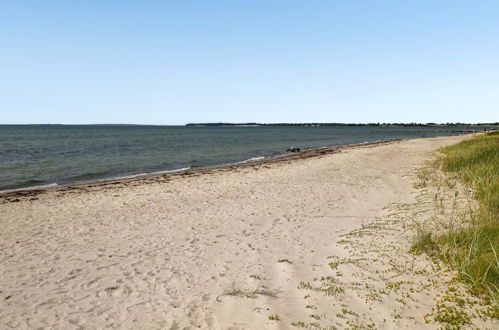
[145, 177]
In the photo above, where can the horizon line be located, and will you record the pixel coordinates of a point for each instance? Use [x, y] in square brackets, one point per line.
[257, 123]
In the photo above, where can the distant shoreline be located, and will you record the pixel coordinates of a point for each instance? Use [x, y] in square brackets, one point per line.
[254, 124]
[482, 125]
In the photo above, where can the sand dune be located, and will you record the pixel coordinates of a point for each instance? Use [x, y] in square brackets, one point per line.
[203, 250]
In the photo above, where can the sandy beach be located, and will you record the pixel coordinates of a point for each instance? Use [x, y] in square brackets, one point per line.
[274, 245]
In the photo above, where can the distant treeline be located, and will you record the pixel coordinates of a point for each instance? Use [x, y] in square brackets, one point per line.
[345, 124]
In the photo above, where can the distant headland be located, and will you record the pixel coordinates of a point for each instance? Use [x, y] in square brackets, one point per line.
[341, 124]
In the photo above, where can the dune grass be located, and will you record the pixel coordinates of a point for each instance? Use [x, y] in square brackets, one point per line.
[261, 290]
[473, 249]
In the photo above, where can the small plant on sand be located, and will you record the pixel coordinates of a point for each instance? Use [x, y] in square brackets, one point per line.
[347, 311]
[328, 285]
[334, 264]
[305, 285]
[298, 324]
[261, 290]
[285, 261]
[423, 177]
[424, 243]
[274, 317]
[451, 316]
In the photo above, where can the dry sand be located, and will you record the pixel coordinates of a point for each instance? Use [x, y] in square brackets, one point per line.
[202, 250]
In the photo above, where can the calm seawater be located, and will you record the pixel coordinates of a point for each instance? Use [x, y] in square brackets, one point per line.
[39, 155]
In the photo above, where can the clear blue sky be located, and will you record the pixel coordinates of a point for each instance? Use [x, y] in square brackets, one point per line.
[173, 62]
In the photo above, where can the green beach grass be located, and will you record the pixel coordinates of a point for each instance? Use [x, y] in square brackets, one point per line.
[472, 249]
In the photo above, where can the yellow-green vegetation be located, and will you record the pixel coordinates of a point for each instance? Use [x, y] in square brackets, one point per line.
[347, 311]
[261, 290]
[327, 284]
[298, 324]
[274, 317]
[472, 248]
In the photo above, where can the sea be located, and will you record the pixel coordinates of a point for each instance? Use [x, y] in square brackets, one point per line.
[41, 156]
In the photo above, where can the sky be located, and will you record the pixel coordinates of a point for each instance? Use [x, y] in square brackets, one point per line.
[175, 62]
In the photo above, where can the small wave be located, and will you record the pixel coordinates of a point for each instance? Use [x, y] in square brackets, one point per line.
[148, 173]
[255, 159]
[124, 177]
[87, 177]
[44, 186]
[171, 171]
[249, 160]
